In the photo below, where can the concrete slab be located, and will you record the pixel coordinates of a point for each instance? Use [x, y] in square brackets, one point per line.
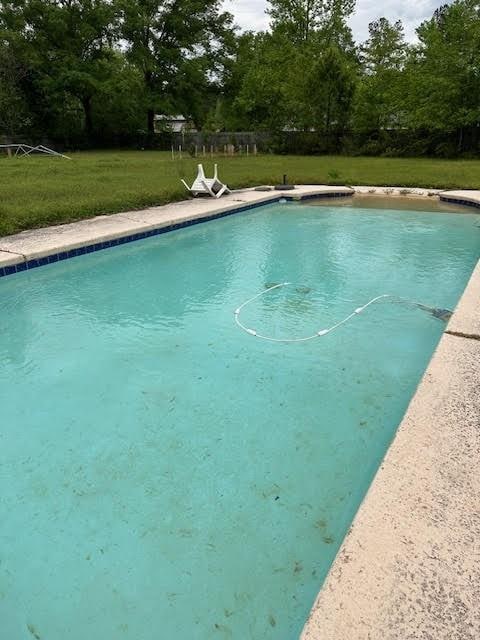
[462, 196]
[466, 317]
[410, 565]
[38, 243]
[194, 209]
[7, 259]
[312, 190]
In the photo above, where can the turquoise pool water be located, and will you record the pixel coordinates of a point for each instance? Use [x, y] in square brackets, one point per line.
[164, 474]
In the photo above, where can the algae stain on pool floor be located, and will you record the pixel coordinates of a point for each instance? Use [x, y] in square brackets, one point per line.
[166, 475]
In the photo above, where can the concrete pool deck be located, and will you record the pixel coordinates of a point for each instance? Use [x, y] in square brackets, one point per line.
[410, 565]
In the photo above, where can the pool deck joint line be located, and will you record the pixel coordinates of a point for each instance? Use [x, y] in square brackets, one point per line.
[459, 334]
[409, 567]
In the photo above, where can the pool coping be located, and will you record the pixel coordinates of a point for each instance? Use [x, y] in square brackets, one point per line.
[372, 589]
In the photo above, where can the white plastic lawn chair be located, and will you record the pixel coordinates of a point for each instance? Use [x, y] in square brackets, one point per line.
[207, 186]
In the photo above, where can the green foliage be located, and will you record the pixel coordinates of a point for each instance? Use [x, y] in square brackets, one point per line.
[304, 20]
[92, 65]
[302, 75]
[176, 46]
[14, 113]
[377, 102]
[65, 44]
[329, 91]
[95, 72]
[307, 75]
[118, 106]
[443, 73]
[263, 86]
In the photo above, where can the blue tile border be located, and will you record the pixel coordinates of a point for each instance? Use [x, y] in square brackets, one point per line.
[141, 235]
[467, 203]
[315, 196]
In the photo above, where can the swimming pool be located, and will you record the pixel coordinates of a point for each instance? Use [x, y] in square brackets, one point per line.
[165, 474]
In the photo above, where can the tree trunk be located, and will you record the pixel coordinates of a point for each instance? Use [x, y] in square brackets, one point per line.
[87, 108]
[327, 114]
[149, 82]
[151, 122]
[460, 140]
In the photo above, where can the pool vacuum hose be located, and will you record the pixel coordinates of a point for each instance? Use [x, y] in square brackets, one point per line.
[442, 314]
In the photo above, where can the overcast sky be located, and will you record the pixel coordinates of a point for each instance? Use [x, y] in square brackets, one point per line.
[250, 14]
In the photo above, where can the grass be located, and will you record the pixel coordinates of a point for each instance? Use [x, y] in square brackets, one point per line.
[41, 191]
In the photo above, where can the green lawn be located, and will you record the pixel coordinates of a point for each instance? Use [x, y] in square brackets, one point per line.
[41, 191]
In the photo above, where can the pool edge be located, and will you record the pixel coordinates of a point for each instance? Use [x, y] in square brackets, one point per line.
[38, 247]
[406, 568]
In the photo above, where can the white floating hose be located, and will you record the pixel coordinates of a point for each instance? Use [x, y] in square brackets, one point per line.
[318, 334]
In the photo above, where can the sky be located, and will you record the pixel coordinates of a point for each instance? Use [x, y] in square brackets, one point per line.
[250, 14]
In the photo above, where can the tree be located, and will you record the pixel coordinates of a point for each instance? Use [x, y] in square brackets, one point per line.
[117, 108]
[66, 44]
[382, 59]
[283, 77]
[260, 83]
[385, 48]
[300, 20]
[173, 43]
[329, 91]
[14, 114]
[443, 74]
